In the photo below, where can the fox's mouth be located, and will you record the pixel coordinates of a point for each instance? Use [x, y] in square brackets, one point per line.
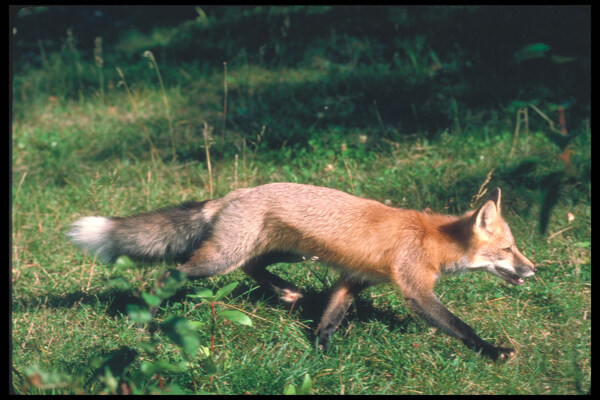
[509, 277]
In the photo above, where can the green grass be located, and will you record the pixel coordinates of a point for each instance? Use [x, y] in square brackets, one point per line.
[90, 155]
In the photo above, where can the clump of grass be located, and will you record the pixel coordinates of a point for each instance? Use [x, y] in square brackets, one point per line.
[99, 60]
[76, 62]
[148, 54]
[224, 104]
[205, 134]
[123, 82]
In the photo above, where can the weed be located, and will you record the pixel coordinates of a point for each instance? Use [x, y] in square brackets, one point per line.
[148, 54]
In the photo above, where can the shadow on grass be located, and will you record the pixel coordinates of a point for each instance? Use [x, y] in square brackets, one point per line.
[309, 309]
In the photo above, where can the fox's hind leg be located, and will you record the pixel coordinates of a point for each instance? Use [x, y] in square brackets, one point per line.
[208, 260]
[344, 292]
[256, 268]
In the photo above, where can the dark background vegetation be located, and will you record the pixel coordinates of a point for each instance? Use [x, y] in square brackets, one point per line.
[422, 68]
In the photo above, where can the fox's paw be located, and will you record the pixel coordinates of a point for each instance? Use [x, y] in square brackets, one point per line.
[288, 295]
[504, 353]
[324, 333]
[322, 340]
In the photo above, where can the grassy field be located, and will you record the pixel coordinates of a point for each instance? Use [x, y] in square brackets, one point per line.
[129, 142]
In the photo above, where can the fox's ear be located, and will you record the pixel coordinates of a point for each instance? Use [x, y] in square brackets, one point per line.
[495, 197]
[486, 217]
[488, 214]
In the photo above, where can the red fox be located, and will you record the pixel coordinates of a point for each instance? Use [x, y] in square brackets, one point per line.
[367, 241]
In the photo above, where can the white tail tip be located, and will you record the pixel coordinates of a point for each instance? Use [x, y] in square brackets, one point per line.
[92, 235]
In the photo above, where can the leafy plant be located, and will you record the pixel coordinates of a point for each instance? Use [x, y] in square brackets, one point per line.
[305, 387]
[115, 371]
[232, 315]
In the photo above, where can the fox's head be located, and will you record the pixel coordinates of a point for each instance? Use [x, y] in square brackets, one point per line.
[494, 246]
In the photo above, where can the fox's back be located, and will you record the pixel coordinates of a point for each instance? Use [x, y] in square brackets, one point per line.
[308, 208]
[337, 227]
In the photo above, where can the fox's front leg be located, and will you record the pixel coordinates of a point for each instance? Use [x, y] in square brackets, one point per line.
[344, 292]
[433, 311]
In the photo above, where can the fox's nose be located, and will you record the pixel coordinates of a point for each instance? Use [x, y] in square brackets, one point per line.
[534, 270]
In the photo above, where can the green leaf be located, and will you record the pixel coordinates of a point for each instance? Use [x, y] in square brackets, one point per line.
[205, 351]
[170, 284]
[210, 366]
[197, 325]
[583, 244]
[151, 300]
[289, 390]
[224, 291]
[109, 380]
[149, 347]
[202, 293]
[154, 367]
[304, 389]
[306, 386]
[534, 50]
[118, 282]
[138, 314]
[124, 262]
[182, 333]
[236, 316]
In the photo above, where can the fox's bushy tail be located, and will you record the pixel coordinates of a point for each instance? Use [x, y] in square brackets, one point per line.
[169, 234]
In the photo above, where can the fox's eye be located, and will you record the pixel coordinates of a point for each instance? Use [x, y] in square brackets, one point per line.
[508, 250]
